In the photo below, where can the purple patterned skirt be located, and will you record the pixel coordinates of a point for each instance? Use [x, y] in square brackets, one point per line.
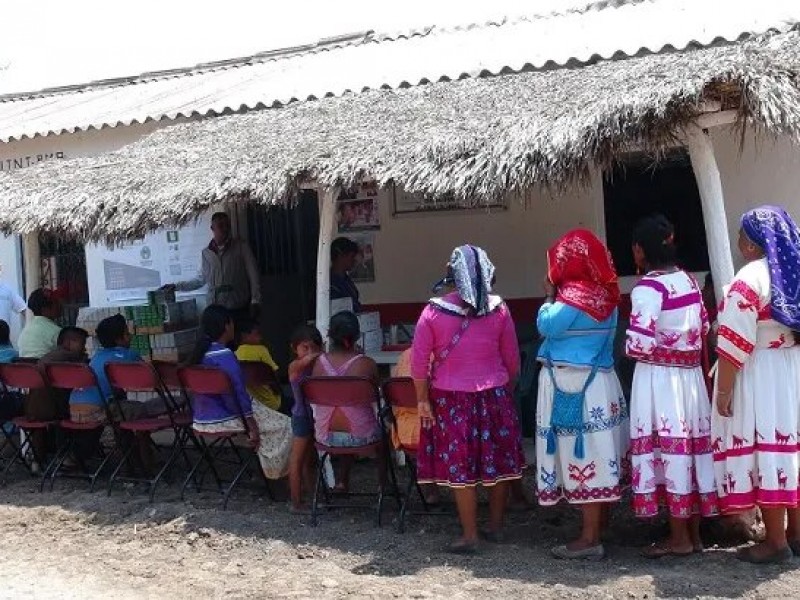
[475, 438]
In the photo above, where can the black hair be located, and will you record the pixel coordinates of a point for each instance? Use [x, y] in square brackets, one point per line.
[212, 326]
[111, 330]
[244, 326]
[5, 333]
[71, 333]
[343, 246]
[656, 236]
[39, 300]
[709, 280]
[344, 331]
[305, 333]
[219, 216]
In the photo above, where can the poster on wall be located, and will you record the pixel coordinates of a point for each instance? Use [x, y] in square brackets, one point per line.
[408, 203]
[364, 271]
[357, 209]
[126, 273]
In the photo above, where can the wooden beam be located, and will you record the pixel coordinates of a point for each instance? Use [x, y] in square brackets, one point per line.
[716, 119]
[709, 183]
[327, 222]
[32, 262]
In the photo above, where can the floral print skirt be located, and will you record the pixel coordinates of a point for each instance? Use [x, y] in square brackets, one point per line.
[475, 438]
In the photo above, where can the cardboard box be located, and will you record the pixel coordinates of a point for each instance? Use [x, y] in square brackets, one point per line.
[372, 341]
[369, 321]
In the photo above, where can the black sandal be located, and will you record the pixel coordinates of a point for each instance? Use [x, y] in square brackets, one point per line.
[463, 548]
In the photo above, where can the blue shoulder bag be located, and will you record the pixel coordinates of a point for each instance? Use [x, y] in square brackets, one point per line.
[567, 413]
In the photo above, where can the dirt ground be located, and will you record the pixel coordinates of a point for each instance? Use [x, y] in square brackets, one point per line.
[74, 544]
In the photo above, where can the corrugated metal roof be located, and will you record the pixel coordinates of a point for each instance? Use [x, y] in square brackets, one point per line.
[370, 61]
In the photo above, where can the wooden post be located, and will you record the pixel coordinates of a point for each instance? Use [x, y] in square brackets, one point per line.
[327, 221]
[32, 262]
[709, 183]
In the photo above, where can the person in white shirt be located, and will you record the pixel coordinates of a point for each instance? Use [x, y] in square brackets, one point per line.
[11, 303]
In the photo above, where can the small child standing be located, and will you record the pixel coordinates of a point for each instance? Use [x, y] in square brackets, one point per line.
[252, 349]
[306, 344]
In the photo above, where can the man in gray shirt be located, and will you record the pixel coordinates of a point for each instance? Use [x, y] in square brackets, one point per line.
[229, 270]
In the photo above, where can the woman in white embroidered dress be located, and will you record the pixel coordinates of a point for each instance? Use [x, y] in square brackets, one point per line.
[578, 320]
[671, 457]
[756, 424]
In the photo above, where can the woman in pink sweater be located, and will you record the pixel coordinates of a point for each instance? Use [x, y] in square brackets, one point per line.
[470, 434]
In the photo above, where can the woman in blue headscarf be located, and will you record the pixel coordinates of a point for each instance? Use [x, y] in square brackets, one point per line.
[757, 418]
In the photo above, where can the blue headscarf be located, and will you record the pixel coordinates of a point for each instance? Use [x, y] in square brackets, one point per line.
[775, 232]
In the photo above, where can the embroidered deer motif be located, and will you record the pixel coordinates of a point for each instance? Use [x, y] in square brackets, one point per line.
[583, 475]
[639, 429]
[717, 445]
[693, 337]
[685, 428]
[613, 465]
[752, 477]
[665, 428]
[782, 479]
[781, 438]
[636, 476]
[548, 478]
[738, 442]
[652, 324]
[759, 436]
[670, 339]
[778, 343]
[731, 482]
[705, 429]
[743, 306]
[636, 319]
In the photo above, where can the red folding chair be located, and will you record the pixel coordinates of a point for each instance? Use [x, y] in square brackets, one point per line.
[211, 381]
[22, 377]
[142, 377]
[343, 392]
[182, 417]
[399, 392]
[79, 376]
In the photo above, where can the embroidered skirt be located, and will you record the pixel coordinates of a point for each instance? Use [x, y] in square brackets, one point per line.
[475, 438]
[756, 451]
[597, 477]
[275, 432]
[671, 457]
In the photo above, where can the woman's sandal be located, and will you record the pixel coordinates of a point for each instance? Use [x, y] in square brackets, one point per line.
[463, 548]
[776, 558]
[662, 550]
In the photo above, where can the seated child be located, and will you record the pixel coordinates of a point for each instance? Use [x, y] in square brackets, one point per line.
[87, 405]
[306, 344]
[252, 349]
[7, 352]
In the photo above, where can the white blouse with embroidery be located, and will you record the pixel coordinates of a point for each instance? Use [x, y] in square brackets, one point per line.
[745, 318]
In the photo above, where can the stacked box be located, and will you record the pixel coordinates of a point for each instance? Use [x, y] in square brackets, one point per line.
[174, 346]
[371, 333]
[89, 317]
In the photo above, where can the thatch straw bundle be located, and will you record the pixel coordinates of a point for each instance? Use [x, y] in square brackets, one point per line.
[477, 139]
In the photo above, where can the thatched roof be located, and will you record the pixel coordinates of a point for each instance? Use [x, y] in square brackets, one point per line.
[476, 138]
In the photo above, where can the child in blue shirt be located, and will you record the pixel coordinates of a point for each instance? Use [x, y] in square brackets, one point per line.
[87, 405]
[7, 352]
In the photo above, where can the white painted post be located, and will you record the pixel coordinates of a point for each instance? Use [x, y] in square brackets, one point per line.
[709, 183]
[32, 261]
[327, 221]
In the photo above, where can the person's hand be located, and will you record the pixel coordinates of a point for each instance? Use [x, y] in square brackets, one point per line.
[425, 413]
[549, 288]
[255, 311]
[724, 401]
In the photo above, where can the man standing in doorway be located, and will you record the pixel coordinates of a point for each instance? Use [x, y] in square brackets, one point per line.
[229, 270]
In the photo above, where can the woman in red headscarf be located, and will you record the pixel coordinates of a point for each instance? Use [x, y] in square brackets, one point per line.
[582, 424]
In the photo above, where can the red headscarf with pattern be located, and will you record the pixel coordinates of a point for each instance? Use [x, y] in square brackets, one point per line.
[581, 268]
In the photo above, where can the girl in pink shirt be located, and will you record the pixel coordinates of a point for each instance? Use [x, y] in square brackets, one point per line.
[470, 434]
